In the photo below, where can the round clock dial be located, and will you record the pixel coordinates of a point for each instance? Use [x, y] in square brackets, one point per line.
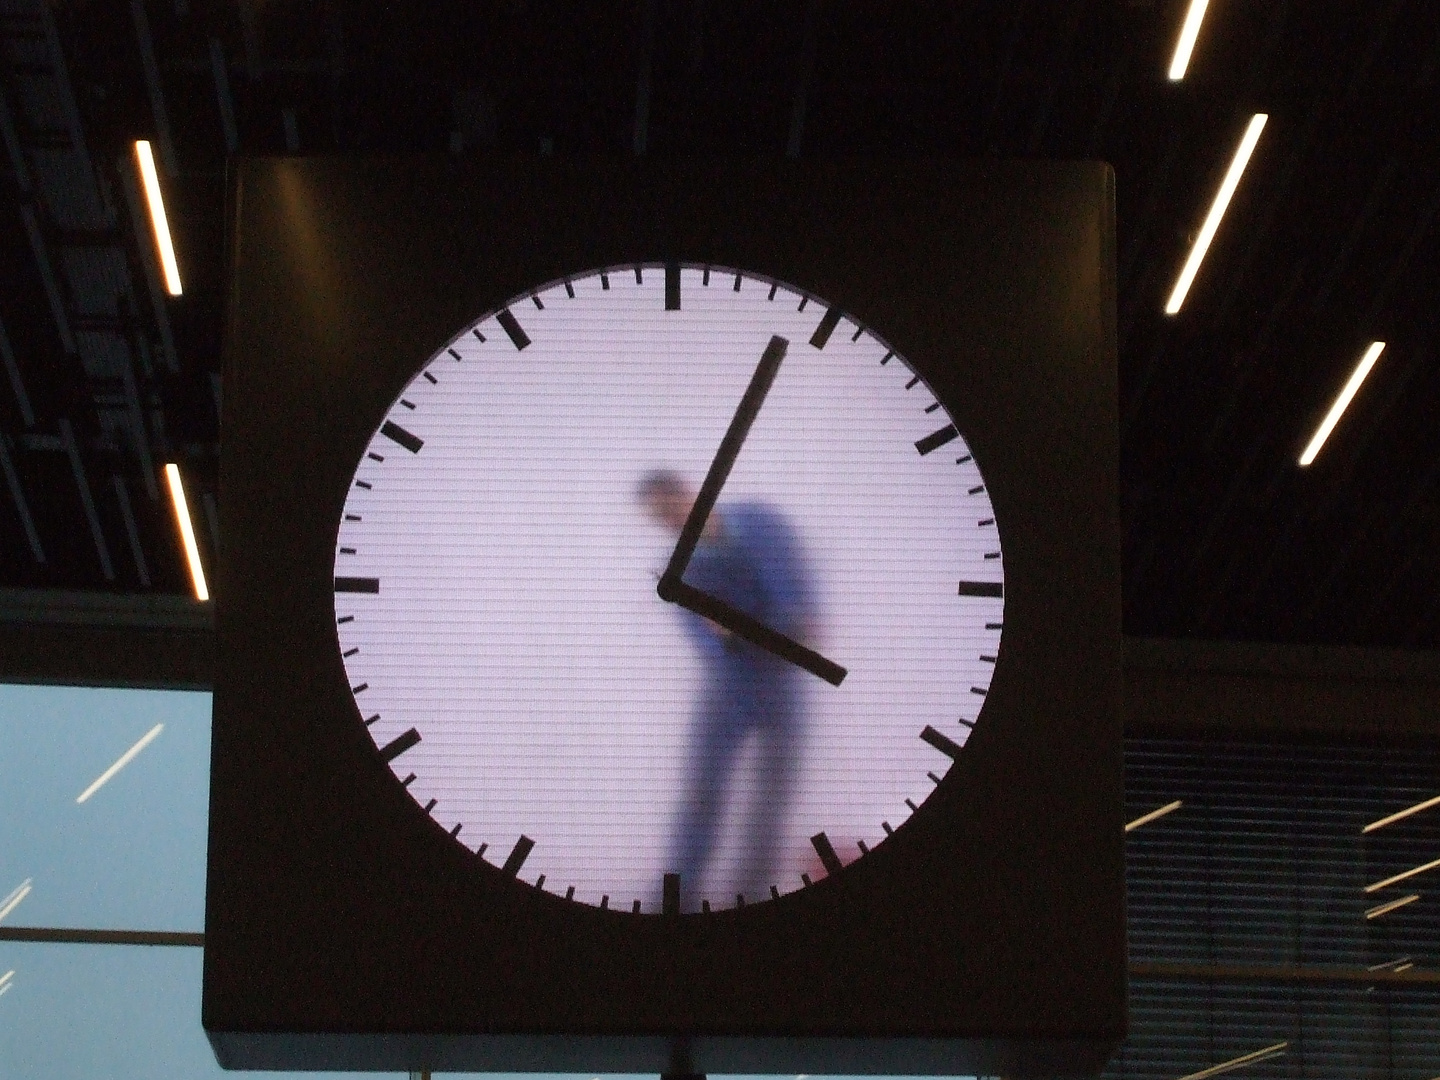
[668, 570]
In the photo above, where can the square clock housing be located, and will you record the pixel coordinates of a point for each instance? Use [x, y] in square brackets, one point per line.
[668, 620]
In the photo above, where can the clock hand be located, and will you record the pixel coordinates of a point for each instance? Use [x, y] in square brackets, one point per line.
[755, 632]
[745, 414]
[673, 590]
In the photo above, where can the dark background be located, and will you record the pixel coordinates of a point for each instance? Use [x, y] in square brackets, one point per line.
[1331, 241]
[995, 914]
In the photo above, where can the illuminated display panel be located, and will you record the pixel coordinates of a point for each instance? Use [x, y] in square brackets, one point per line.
[537, 495]
[497, 611]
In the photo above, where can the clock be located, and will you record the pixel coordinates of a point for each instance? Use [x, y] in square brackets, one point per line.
[533, 689]
[668, 619]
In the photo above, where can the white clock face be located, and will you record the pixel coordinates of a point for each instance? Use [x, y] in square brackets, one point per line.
[496, 594]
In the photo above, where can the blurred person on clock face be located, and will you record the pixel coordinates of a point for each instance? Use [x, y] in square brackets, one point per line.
[749, 557]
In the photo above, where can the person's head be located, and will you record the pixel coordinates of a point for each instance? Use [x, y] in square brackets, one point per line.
[667, 497]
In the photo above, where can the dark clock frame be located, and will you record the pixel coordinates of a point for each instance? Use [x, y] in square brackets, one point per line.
[344, 929]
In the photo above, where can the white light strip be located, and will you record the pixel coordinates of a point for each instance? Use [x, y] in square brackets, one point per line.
[1217, 211]
[125, 759]
[1189, 31]
[5, 982]
[1342, 402]
[1145, 819]
[1401, 814]
[158, 221]
[1404, 960]
[1381, 909]
[187, 531]
[1401, 877]
[1239, 1062]
[11, 902]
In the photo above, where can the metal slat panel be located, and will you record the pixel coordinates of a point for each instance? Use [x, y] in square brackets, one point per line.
[1258, 882]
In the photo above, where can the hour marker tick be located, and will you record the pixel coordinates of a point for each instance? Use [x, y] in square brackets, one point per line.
[937, 439]
[357, 584]
[672, 286]
[397, 434]
[821, 843]
[982, 588]
[518, 854]
[507, 322]
[393, 749]
[941, 742]
[826, 328]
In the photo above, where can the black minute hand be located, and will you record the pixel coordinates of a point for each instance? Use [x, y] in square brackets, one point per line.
[673, 590]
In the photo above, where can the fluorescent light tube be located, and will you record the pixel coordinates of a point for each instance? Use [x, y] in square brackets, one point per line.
[1217, 211]
[1401, 814]
[158, 221]
[125, 759]
[1380, 909]
[1378, 885]
[11, 902]
[1145, 819]
[1342, 402]
[187, 531]
[1189, 31]
[1239, 1062]
[1388, 964]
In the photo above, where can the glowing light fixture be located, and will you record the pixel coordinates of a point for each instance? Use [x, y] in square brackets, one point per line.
[1381, 909]
[1378, 885]
[11, 902]
[1217, 211]
[1145, 819]
[1189, 31]
[187, 531]
[124, 759]
[1401, 814]
[1342, 402]
[1240, 1062]
[1392, 965]
[6, 980]
[158, 221]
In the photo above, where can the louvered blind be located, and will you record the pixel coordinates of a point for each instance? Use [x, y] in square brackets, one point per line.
[1247, 912]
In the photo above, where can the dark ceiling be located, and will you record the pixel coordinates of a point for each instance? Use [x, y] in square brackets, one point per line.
[1332, 240]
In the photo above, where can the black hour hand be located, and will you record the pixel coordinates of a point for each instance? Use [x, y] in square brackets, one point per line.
[675, 591]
